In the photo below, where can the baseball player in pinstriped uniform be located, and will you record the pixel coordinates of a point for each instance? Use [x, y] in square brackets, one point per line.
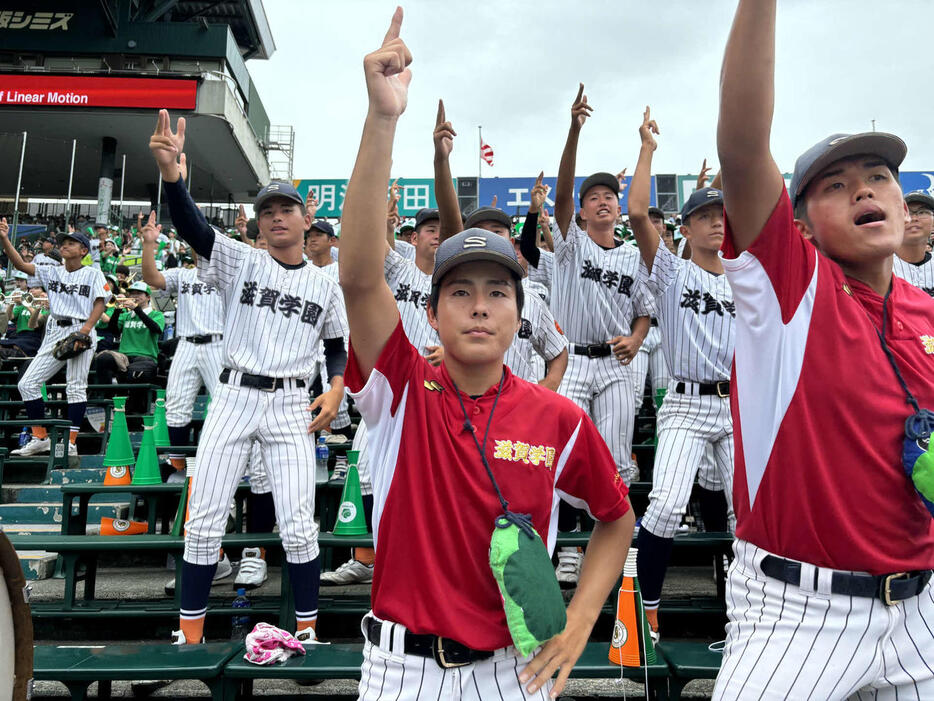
[913, 262]
[829, 596]
[43, 258]
[695, 311]
[77, 298]
[278, 308]
[444, 598]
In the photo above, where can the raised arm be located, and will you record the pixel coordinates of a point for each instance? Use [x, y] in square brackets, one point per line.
[647, 237]
[371, 308]
[528, 239]
[15, 258]
[150, 233]
[564, 189]
[448, 208]
[752, 182]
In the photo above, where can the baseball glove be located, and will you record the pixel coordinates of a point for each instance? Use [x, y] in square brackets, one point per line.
[73, 344]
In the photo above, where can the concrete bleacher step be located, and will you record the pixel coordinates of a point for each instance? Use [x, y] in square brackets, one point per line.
[37, 564]
[29, 493]
[51, 511]
[78, 475]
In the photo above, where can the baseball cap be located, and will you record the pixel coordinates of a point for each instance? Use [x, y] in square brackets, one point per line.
[323, 226]
[140, 287]
[426, 215]
[50, 239]
[922, 197]
[606, 179]
[252, 229]
[19, 275]
[277, 188]
[700, 198]
[79, 237]
[472, 245]
[488, 214]
[888, 147]
[657, 212]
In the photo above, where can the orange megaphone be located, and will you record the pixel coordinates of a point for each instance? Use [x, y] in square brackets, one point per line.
[631, 645]
[118, 475]
[119, 526]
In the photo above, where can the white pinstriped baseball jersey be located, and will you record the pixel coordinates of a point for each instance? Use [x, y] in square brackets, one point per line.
[411, 288]
[72, 294]
[543, 274]
[405, 249]
[695, 313]
[595, 291]
[199, 306]
[41, 260]
[276, 314]
[918, 274]
[538, 335]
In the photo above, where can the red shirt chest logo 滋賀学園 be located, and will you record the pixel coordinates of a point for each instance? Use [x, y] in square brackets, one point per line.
[527, 453]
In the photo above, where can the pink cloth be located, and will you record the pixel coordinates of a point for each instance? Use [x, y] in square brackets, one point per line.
[267, 644]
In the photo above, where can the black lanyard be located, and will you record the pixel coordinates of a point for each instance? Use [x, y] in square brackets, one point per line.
[921, 423]
[522, 521]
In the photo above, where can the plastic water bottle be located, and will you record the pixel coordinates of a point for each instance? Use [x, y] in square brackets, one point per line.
[170, 332]
[240, 624]
[321, 460]
[24, 436]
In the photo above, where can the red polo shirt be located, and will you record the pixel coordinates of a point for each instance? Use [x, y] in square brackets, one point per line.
[818, 413]
[434, 505]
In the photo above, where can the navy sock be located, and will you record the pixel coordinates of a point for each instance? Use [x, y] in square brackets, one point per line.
[654, 554]
[76, 414]
[260, 513]
[368, 511]
[712, 509]
[179, 435]
[196, 587]
[305, 578]
[568, 517]
[35, 409]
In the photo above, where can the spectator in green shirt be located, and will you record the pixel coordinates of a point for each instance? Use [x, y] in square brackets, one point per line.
[141, 328]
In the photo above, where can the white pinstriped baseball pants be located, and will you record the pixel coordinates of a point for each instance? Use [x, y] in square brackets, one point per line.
[45, 365]
[192, 365]
[387, 675]
[786, 643]
[279, 422]
[688, 428]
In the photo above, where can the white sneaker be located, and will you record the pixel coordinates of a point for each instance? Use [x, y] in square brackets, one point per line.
[568, 570]
[252, 571]
[72, 449]
[351, 572]
[33, 447]
[224, 570]
[306, 636]
[178, 638]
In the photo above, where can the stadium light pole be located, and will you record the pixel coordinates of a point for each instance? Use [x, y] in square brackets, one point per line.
[122, 180]
[71, 175]
[19, 183]
[159, 199]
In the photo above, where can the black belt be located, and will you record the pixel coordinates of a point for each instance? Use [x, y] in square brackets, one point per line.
[204, 338]
[595, 350]
[653, 321]
[65, 321]
[720, 389]
[268, 384]
[446, 652]
[888, 588]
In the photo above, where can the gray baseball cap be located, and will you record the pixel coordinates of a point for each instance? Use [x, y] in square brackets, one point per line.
[277, 188]
[606, 179]
[472, 245]
[922, 197]
[888, 147]
[701, 198]
[657, 212]
[488, 214]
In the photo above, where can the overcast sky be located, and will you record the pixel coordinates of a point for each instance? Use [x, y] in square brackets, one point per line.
[513, 67]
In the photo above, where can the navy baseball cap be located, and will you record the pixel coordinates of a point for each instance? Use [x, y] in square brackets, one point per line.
[656, 212]
[888, 147]
[922, 197]
[277, 188]
[426, 215]
[79, 237]
[488, 214]
[323, 226]
[701, 198]
[606, 179]
[472, 245]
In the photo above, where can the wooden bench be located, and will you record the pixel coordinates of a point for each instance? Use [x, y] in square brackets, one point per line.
[343, 661]
[687, 661]
[77, 667]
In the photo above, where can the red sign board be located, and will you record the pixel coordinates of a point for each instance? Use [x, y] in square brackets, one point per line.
[97, 91]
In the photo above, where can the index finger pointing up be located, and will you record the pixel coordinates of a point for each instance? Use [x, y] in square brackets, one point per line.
[394, 26]
[242, 212]
[152, 217]
[440, 120]
[538, 180]
[580, 93]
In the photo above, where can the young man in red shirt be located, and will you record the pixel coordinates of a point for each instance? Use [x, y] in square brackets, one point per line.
[436, 604]
[829, 595]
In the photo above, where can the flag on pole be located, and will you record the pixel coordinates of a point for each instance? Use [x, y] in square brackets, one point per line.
[486, 152]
